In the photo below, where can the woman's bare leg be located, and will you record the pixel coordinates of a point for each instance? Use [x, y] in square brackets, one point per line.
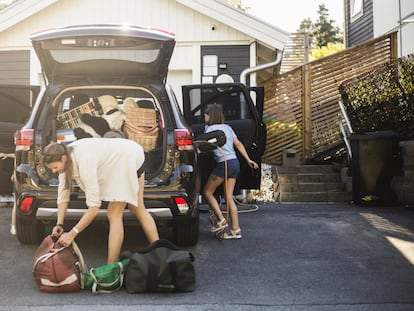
[144, 217]
[116, 230]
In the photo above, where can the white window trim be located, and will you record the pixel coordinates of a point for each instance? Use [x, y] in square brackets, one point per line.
[357, 9]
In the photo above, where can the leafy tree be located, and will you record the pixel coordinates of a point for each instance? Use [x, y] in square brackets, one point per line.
[323, 51]
[322, 31]
[306, 25]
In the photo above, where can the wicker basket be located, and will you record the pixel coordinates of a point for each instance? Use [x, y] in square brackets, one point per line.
[146, 137]
[141, 125]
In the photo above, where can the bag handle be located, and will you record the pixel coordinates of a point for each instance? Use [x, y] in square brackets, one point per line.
[119, 279]
[82, 264]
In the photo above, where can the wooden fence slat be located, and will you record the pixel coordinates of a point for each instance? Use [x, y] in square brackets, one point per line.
[301, 105]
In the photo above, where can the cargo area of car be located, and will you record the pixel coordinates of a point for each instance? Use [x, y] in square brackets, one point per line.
[109, 112]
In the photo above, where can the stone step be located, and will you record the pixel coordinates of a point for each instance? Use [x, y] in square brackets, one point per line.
[407, 148]
[314, 187]
[407, 152]
[309, 178]
[304, 169]
[311, 183]
[320, 197]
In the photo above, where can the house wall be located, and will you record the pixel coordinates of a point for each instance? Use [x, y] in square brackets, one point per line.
[362, 28]
[387, 13]
[235, 58]
[379, 18]
[192, 29]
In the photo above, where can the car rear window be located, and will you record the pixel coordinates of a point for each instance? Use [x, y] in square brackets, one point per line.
[74, 50]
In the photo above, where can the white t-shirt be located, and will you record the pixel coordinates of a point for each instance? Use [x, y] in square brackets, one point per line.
[106, 169]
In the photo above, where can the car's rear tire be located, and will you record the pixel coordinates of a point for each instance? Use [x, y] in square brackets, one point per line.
[186, 234]
[30, 231]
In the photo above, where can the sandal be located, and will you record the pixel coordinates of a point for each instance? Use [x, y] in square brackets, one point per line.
[232, 234]
[221, 225]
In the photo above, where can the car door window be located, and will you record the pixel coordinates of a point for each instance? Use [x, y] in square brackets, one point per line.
[16, 102]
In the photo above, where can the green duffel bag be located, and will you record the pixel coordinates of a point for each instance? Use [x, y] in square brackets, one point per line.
[107, 278]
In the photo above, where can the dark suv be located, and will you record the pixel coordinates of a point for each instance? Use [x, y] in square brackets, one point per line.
[80, 64]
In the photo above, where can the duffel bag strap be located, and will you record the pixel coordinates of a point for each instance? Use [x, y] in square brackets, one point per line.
[96, 283]
[82, 265]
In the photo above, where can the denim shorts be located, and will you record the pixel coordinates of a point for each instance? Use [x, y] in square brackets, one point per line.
[233, 169]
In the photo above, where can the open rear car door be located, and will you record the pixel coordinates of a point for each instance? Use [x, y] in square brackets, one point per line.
[16, 103]
[241, 113]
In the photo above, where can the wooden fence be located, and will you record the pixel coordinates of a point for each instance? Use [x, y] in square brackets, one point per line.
[301, 108]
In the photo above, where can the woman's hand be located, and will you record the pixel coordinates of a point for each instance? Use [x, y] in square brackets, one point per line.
[67, 238]
[57, 230]
[253, 164]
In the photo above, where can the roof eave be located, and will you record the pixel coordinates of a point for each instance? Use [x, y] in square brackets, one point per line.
[20, 10]
[263, 32]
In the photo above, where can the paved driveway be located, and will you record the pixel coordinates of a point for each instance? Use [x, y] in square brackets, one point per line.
[291, 257]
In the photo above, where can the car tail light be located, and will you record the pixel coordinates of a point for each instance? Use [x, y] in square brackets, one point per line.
[182, 205]
[26, 205]
[184, 139]
[24, 139]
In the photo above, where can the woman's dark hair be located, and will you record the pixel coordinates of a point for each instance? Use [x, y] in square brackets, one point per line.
[53, 153]
[215, 113]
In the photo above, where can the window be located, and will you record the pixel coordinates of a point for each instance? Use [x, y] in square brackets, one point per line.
[357, 9]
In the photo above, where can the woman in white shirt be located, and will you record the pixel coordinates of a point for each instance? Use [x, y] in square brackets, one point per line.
[106, 169]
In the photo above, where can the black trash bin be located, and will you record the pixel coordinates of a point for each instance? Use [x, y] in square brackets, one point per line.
[375, 160]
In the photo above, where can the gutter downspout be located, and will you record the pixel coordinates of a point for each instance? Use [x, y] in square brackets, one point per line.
[250, 70]
[243, 75]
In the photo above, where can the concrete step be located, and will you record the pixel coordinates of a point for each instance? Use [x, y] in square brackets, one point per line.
[314, 187]
[407, 148]
[407, 152]
[309, 178]
[312, 183]
[305, 169]
[325, 197]
[403, 187]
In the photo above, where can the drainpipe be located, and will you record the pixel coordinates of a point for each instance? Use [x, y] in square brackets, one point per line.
[244, 193]
[250, 70]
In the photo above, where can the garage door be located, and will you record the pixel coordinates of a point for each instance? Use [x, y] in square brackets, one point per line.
[15, 67]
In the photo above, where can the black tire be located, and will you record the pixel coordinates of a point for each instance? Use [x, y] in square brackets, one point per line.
[186, 234]
[30, 231]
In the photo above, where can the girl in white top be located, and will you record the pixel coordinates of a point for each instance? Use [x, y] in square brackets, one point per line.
[226, 158]
[106, 169]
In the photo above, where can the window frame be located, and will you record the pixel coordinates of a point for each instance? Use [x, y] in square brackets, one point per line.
[356, 5]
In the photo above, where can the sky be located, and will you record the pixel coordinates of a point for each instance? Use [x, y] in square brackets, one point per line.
[287, 14]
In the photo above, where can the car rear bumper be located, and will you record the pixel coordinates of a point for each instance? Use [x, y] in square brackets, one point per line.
[47, 213]
[161, 205]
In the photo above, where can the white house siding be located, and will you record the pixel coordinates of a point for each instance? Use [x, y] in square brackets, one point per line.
[191, 28]
[386, 17]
